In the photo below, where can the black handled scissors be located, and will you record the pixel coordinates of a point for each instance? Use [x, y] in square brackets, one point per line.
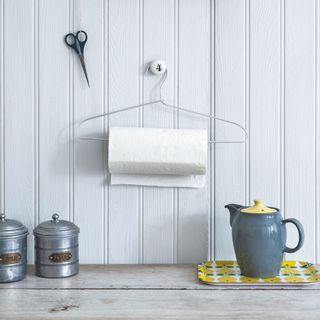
[77, 43]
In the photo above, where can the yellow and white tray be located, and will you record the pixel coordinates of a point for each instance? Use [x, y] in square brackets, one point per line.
[228, 273]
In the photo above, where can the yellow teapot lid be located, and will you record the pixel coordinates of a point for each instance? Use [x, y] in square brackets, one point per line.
[258, 207]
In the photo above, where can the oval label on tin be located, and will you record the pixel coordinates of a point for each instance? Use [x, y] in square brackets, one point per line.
[60, 257]
[10, 258]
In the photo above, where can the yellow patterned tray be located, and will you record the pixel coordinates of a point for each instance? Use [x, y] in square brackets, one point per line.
[228, 273]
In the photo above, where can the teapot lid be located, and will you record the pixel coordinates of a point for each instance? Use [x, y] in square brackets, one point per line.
[258, 207]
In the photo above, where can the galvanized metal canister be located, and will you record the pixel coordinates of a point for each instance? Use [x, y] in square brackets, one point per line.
[13, 250]
[56, 248]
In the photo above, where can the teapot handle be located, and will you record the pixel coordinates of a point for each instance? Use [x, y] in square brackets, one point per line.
[301, 235]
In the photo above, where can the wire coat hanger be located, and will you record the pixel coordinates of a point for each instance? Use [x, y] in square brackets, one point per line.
[155, 68]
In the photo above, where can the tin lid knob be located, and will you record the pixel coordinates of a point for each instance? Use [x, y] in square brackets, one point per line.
[55, 217]
[2, 217]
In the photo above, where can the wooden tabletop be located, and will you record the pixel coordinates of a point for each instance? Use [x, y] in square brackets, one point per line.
[150, 292]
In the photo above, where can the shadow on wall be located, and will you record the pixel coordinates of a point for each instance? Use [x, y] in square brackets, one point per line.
[192, 243]
[90, 158]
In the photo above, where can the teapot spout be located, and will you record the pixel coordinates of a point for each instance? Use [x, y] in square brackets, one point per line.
[234, 211]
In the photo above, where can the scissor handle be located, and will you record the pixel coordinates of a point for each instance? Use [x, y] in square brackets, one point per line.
[73, 43]
[81, 41]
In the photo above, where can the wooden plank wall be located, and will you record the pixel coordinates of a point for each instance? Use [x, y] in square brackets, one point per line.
[255, 62]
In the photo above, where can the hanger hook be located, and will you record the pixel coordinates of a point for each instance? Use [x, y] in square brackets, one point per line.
[163, 80]
[158, 67]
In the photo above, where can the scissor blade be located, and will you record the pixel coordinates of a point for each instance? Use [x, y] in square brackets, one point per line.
[84, 68]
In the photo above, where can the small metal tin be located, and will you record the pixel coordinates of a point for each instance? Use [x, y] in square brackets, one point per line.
[56, 248]
[13, 250]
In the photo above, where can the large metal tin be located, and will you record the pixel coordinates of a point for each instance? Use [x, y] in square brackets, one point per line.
[13, 250]
[56, 248]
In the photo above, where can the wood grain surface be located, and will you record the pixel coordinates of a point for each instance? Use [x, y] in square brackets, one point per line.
[145, 292]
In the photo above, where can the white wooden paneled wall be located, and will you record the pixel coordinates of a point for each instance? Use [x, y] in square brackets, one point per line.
[251, 61]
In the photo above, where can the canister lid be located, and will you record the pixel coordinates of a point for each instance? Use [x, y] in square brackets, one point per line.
[11, 228]
[56, 228]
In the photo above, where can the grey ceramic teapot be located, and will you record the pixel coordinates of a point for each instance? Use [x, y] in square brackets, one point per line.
[259, 238]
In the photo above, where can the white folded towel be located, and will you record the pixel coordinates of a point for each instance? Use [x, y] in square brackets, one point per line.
[158, 157]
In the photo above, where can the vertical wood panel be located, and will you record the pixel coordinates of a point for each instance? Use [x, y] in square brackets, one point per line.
[263, 72]
[300, 122]
[124, 74]
[265, 101]
[2, 120]
[18, 108]
[282, 105]
[229, 104]
[317, 111]
[158, 202]
[36, 114]
[194, 94]
[90, 164]
[54, 109]
[211, 134]
[247, 99]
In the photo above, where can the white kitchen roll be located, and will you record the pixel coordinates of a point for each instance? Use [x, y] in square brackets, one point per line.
[158, 157]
